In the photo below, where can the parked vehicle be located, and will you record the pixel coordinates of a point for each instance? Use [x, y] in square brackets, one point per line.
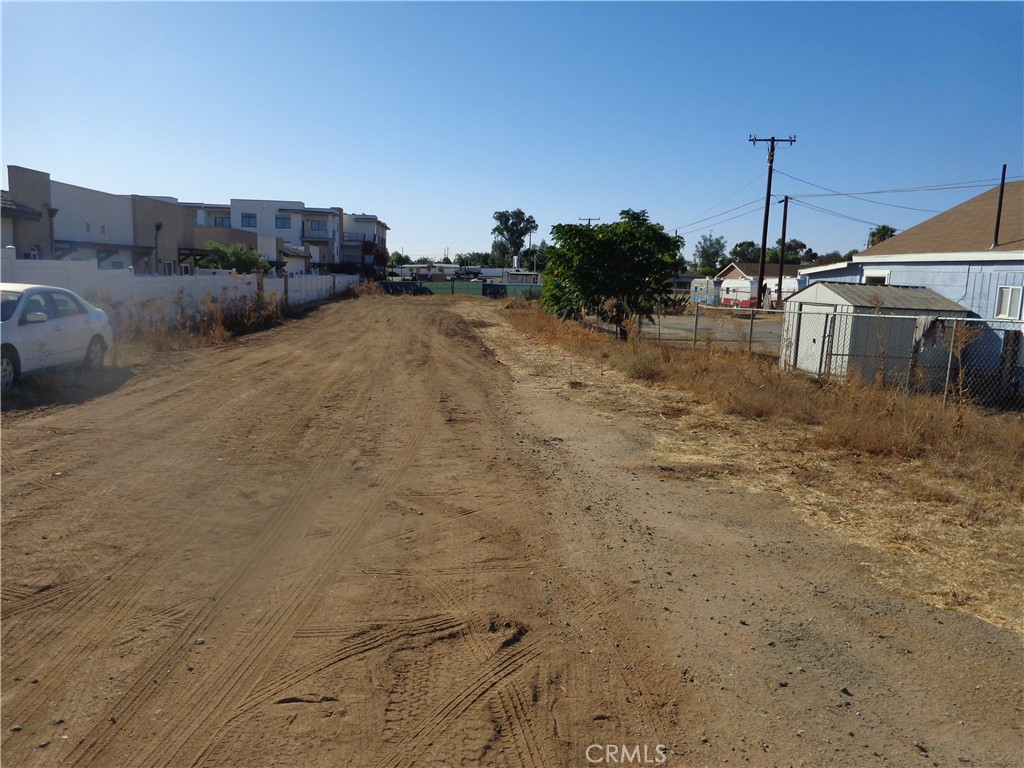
[42, 327]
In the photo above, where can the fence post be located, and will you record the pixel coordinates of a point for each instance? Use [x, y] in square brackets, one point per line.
[696, 321]
[949, 364]
[750, 333]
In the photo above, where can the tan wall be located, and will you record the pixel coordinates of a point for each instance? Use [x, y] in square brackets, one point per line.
[31, 188]
[146, 213]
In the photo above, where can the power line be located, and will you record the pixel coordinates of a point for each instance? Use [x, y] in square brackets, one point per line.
[925, 188]
[857, 195]
[708, 218]
[730, 197]
[837, 215]
[722, 221]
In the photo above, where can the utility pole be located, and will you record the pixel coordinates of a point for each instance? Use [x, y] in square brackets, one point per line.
[588, 220]
[782, 248]
[767, 201]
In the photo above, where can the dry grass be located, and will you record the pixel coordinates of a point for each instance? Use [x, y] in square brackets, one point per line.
[937, 491]
[154, 326]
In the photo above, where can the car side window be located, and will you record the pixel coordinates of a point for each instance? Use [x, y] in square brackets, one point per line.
[64, 305]
[37, 302]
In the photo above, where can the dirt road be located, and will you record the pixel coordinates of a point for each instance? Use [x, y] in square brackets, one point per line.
[376, 537]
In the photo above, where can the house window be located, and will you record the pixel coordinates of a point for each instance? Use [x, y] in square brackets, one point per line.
[186, 269]
[876, 277]
[88, 227]
[168, 267]
[318, 225]
[103, 228]
[1008, 301]
[222, 221]
[249, 220]
[282, 222]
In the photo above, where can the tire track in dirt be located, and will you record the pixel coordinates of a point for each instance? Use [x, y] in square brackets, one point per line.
[237, 679]
[99, 612]
[527, 744]
[493, 673]
[357, 644]
[99, 739]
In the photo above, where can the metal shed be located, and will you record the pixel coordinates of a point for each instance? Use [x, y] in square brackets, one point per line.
[886, 334]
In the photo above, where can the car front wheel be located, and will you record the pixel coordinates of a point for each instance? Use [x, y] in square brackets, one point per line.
[94, 354]
[9, 369]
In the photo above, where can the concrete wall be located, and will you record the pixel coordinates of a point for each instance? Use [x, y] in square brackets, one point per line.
[110, 289]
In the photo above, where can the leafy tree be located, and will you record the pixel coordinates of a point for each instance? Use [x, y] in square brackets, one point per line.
[446, 260]
[235, 256]
[880, 233]
[536, 255]
[398, 259]
[745, 252]
[848, 256]
[510, 233]
[423, 260]
[473, 259]
[796, 252]
[832, 257]
[616, 271]
[709, 255]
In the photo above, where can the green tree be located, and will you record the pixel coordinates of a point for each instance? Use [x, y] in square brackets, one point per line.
[473, 259]
[398, 259]
[510, 234]
[709, 255]
[236, 256]
[796, 252]
[617, 272]
[832, 257]
[536, 256]
[746, 252]
[880, 233]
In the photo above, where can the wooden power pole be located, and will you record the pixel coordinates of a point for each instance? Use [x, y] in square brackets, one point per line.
[767, 200]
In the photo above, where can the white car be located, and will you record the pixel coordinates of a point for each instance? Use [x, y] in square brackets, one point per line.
[43, 327]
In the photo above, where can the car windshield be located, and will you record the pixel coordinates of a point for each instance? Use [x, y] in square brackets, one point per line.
[8, 301]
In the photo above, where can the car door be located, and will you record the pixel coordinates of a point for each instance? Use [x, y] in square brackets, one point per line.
[72, 330]
[34, 340]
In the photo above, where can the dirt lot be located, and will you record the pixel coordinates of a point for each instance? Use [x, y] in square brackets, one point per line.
[394, 534]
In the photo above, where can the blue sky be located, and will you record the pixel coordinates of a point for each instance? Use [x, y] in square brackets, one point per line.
[434, 115]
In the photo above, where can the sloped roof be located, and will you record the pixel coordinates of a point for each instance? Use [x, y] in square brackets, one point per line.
[967, 228]
[889, 297]
[751, 268]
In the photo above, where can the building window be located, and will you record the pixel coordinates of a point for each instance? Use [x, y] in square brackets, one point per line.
[223, 221]
[88, 227]
[103, 228]
[876, 277]
[249, 220]
[1008, 301]
[186, 269]
[318, 225]
[168, 267]
[282, 222]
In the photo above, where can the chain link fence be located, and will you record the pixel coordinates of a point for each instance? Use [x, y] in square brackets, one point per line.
[962, 359]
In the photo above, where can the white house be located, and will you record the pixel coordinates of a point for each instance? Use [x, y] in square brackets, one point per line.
[364, 241]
